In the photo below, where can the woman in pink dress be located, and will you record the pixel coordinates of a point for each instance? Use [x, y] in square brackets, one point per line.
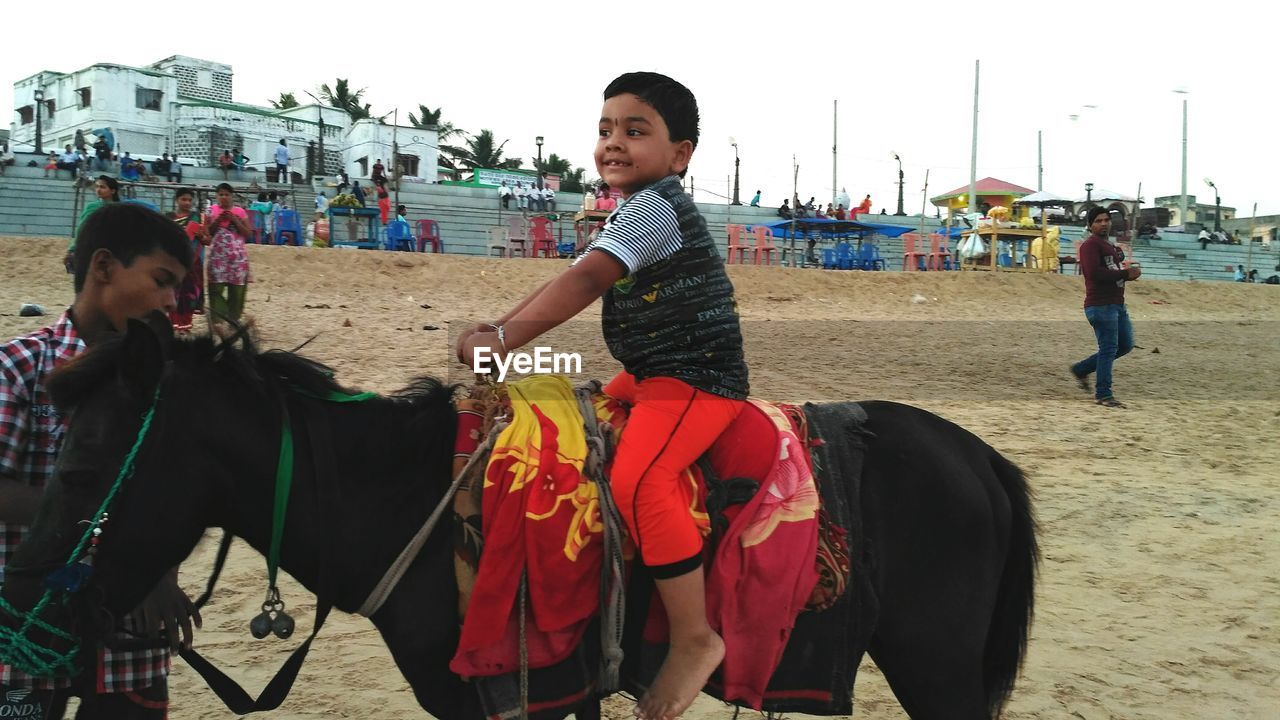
[228, 262]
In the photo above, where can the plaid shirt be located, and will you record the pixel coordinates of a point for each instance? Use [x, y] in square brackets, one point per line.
[31, 433]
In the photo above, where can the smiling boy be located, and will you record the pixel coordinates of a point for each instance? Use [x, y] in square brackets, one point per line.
[670, 318]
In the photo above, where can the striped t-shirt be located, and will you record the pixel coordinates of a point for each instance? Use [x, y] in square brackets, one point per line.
[674, 314]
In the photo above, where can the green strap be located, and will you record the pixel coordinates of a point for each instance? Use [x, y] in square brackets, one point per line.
[284, 482]
[284, 476]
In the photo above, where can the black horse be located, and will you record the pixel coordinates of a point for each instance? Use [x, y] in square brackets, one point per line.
[948, 598]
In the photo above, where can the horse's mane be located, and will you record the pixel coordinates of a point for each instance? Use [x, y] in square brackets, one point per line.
[240, 357]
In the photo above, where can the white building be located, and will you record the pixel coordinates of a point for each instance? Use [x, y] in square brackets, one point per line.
[184, 105]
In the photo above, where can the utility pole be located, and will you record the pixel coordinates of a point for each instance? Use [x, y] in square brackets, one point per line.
[973, 158]
[835, 127]
[395, 154]
[1039, 160]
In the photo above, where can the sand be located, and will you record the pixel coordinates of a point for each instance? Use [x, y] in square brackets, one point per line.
[1158, 595]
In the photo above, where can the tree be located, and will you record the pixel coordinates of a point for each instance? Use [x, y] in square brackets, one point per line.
[341, 97]
[285, 101]
[570, 177]
[428, 119]
[481, 152]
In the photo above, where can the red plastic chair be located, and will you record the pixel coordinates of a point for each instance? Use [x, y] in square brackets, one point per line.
[911, 257]
[429, 232]
[764, 245]
[541, 238]
[736, 245]
[939, 253]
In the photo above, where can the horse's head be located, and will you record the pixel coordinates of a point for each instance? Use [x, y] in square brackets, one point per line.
[117, 498]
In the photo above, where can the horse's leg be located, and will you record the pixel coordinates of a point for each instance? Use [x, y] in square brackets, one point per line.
[937, 532]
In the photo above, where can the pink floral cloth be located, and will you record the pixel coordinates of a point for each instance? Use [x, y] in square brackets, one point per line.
[228, 262]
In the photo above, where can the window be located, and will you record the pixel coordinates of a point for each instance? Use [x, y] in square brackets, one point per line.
[86, 96]
[49, 107]
[27, 115]
[409, 165]
[149, 99]
[364, 166]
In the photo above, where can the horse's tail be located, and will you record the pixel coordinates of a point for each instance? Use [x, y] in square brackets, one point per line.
[1015, 600]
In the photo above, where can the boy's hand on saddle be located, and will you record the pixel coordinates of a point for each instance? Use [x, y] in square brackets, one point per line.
[169, 609]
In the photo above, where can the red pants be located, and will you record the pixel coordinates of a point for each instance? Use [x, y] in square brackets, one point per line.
[671, 425]
[384, 208]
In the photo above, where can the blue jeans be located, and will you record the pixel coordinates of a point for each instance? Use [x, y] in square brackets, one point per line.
[1115, 339]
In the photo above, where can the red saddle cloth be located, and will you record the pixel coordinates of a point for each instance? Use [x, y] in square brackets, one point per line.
[541, 517]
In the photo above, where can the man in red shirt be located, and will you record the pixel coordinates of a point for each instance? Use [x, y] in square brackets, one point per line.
[1104, 279]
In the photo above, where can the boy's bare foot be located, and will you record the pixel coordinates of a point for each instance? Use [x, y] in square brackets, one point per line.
[681, 678]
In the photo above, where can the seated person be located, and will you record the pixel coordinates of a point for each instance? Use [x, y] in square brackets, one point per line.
[160, 166]
[6, 158]
[785, 211]
[129, 169]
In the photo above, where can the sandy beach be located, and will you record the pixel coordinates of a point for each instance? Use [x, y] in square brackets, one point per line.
[1159, 593]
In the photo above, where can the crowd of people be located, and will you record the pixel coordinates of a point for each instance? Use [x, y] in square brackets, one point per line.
[536, 196]
[834, 211]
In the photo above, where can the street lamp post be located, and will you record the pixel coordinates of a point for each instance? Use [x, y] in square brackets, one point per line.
[39, 95]
[900, 182]
[538, 142]
[1182, 203]
[1217, 206]
[1088, 193]
[736, 162]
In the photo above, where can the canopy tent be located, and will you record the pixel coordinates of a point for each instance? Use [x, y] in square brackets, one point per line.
[988, 187]
[1099, 196]
[892, 231]
[805, 226]
[1043, 199]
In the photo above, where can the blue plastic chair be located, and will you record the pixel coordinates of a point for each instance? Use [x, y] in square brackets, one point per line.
[1003, 260]
[869, 257]
[846, 257]
[287, 222]
[400, 236]
[828, 259]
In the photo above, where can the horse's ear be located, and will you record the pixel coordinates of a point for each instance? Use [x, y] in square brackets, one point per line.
[145, 350]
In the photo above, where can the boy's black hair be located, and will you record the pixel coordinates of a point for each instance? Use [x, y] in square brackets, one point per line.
[262, 197]
[401, 210]
[227, 187]
[183, 191]
[1094, 213]
[673, 101]
[128, 230]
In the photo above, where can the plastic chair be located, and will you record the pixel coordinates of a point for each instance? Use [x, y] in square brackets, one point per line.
[518, 235]
[869, 257]
[429, 232]
[1004, 260]
[912, 258]
[737, 247]
[939, 254]
[259, 226]
[764, 245]
[828, 259]
[497, 241]
[400, 236]
[846, 258]
[287, 222]
[541, 237]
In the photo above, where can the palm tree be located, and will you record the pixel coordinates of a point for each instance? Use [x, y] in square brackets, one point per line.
[570, 177]
[428, 118]
[285, 101]
[481, 152]
[341, 97]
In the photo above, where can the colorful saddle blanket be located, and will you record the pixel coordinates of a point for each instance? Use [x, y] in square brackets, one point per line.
[540, 519]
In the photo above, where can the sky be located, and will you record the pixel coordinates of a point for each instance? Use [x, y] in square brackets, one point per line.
[1098, 79]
